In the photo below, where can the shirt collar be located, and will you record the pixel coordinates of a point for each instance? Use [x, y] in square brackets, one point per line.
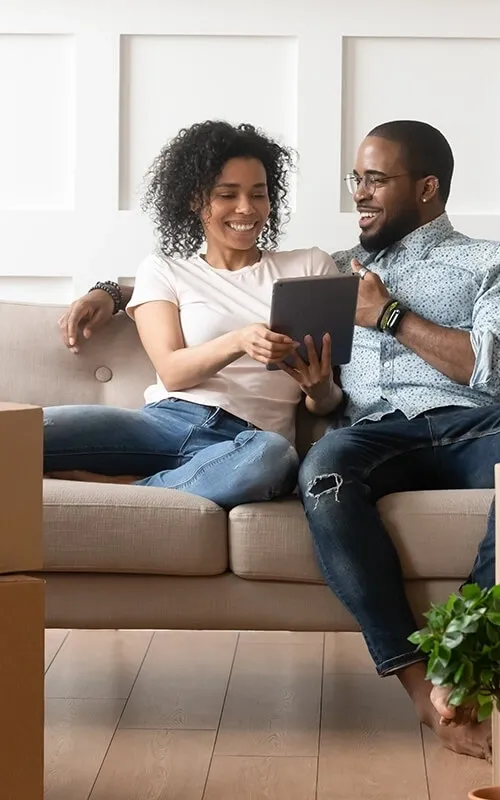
[420, 241]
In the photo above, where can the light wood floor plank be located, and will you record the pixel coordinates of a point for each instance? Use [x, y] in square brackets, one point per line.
[155, 765]
[97, 664]
[273, 701]
[450, 775]
[370, 741]
[77, 735]
[54, 639]
[261, 778]
[347, 653]
[182, 682]
[281, 637]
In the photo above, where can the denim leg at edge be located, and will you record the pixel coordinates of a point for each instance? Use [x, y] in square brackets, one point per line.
[179, 445]
[341, 479]
[255, 466]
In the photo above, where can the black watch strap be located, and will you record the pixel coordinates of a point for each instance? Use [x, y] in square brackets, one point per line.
[391, 316]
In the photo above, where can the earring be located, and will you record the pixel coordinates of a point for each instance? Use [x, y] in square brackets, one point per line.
[424, 200]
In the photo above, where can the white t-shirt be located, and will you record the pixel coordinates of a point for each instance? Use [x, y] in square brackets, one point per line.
[213, 302]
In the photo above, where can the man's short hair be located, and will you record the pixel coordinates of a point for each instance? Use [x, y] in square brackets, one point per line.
[425, 150]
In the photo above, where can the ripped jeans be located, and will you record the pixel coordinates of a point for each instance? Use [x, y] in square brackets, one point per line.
[176, 445]
[349, 469]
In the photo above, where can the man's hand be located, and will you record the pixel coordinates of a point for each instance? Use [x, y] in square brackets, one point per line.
[316, 378]
[84, 316]
[372, 297]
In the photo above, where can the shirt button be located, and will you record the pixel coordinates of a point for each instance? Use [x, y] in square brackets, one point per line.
[387, 364]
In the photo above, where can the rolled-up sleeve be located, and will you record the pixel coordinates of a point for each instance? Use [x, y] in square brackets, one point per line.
[485, 334]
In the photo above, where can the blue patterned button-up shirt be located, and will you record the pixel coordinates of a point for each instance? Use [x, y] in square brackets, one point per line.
[446, 278]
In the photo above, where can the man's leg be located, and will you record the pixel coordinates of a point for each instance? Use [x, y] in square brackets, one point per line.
[468, 445]
[342, 477]
[355, 553]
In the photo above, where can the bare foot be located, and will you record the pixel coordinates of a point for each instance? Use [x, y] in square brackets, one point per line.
[469, 738]
[450, 715]
[91, 477]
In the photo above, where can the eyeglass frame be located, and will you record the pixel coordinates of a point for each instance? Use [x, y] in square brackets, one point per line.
[374, 183]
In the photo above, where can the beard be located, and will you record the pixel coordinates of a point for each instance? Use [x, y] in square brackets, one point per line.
[393, 231]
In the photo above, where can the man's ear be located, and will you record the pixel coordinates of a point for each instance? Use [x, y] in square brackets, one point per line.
[430, 189]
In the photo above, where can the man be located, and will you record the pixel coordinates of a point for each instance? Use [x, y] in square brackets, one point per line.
[422, 394]
[423, 389]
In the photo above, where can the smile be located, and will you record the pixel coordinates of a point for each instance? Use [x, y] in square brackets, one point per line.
[366, 218]
[240, 228]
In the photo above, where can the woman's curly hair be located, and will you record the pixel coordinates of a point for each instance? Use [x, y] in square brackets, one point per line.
[183, 175]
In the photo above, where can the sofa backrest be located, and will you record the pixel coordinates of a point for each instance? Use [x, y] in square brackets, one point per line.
[111, 369]
[35, 367]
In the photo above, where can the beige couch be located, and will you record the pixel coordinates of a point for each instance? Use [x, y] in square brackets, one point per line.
[131, 557]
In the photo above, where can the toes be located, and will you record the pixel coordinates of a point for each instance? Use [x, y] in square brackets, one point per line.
[439, 699]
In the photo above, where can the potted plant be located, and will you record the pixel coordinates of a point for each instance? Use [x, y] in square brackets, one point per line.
[462, 642]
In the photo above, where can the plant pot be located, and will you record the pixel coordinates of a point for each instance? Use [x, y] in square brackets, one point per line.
[488, 793]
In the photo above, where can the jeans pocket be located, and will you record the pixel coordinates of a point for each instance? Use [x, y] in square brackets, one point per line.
[213, 417]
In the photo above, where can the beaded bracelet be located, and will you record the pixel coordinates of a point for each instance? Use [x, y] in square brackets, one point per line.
[114, 291]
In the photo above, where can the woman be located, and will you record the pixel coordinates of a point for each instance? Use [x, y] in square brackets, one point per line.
[217, 423]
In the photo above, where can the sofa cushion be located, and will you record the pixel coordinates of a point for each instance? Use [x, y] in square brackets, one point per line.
[436, 534]
[93, 527]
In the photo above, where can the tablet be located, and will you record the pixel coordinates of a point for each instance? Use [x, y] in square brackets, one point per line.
[316, 305]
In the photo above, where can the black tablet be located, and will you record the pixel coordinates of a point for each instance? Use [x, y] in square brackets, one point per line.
[316, 305]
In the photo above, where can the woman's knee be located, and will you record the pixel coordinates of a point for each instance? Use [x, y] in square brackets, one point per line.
[273, 460]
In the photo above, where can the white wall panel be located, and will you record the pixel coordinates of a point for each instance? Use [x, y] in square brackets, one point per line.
[37, 132]
[32, 289]
[453, 84]
[170, 82]
[90, 90]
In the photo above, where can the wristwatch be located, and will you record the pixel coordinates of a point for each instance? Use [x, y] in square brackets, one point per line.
[391, 316]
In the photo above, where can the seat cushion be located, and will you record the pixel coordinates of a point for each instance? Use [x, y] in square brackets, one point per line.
[436, 534]
[93, 527]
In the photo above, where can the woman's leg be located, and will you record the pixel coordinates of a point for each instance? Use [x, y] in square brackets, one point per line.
[254, 466]
[111, 441]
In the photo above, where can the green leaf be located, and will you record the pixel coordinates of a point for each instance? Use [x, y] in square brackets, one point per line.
[470, 591]
[492, 633]
[438, 672]
[483, 699]
[486, 677]
[465, 623]
[493, 617]
[458, 674]
[452, 639]
[444, 654]
[457, 696]
[485, 711]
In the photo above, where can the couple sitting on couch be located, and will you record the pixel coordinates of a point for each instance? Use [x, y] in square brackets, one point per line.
[422, 387]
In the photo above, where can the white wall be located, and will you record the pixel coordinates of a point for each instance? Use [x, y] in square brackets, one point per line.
[90, 90]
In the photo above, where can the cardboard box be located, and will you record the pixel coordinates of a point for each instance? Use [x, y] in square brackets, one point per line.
[21, 687]
[21, 473]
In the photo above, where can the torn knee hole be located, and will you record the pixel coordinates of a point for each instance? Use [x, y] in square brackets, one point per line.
[326, 484]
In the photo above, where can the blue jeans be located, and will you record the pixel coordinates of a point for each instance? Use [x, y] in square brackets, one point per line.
[176, 445]
[349, 469]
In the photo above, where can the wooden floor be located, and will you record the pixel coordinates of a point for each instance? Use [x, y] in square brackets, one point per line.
[173, 715]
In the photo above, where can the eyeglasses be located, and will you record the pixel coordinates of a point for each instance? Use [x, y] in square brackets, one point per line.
[369, 182]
